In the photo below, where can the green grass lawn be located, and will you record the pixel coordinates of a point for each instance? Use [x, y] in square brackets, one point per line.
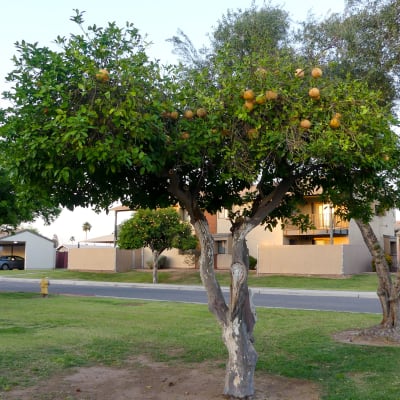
[363, 282]
[40, 337]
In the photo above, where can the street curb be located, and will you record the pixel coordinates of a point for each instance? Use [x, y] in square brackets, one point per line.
[255, 290]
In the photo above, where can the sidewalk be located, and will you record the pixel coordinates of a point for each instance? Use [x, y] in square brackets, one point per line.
[255, 290]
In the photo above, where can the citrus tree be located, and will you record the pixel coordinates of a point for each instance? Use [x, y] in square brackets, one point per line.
[96, 122]
[160, 229]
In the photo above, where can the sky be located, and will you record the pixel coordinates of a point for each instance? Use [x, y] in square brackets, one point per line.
[43, 20]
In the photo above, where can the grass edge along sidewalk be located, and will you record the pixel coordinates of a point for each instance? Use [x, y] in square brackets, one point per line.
[363, 282]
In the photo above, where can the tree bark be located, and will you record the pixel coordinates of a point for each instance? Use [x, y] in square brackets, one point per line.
[388, 292]
[237, 321]
[238, 332]
[156, 256]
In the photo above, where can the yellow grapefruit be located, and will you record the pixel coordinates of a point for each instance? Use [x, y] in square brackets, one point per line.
[188, 114]
[103, 75]
[271, 95]
[185, 135]
[305, 124]
[248, 94]
[334, 123]
[314, 93]
[201, 112]
[316, 72]
[174, 115]
[249, 105]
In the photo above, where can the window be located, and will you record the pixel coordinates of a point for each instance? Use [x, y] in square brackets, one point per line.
[221, 246]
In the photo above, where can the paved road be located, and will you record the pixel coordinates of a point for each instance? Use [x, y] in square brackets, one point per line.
[364, 302]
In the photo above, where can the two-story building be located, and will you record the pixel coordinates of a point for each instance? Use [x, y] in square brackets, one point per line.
[332, 246]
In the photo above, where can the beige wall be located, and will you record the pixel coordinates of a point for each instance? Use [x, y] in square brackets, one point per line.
[313, 260]
[356, 259]
[179, 261]
[224, 261]
[383, 225]
[107, 259]
[125, 260]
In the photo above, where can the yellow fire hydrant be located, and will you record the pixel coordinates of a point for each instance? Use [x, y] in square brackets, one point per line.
[44, 287]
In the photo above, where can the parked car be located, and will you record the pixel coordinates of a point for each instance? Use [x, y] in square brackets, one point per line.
[12, 262]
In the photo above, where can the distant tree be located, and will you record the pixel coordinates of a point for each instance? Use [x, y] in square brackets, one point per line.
[160, 230]
[363, 42]
[72, 239]
[86, 228]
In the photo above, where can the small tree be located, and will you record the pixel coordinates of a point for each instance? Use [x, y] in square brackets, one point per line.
[159, 230]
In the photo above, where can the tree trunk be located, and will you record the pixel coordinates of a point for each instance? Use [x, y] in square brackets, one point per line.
[239, 376]
[238, 332]
[237, 321]
[156, 256]
[388, 292]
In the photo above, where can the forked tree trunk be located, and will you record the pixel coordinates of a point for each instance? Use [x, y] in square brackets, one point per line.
[237, 321]
[388, 292]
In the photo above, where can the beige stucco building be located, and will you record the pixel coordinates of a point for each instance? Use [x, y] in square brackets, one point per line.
[332, 247]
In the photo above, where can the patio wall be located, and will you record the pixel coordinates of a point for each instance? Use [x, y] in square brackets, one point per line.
[313, 260]
[107, 259]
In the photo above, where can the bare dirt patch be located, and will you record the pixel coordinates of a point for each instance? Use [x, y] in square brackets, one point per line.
[146, 380]
[368, 337]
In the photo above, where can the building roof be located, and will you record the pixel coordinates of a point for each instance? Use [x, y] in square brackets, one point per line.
[120, 208]
[13, 237]
[100, 239]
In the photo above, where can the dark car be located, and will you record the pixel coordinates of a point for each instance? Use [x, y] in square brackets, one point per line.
[12, 262]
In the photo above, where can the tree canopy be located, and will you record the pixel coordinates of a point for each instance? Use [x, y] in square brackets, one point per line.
[160, 230]
[98, 122]
[18, 204]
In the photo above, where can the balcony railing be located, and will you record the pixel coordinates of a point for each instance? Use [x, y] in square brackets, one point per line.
[321, 224]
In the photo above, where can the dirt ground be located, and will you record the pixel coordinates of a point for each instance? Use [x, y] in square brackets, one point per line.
[143, 379]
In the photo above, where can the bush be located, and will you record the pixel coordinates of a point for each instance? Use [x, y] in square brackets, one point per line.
[163, 262]
[252, 262]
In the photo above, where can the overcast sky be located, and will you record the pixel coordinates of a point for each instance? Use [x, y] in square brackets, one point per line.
[43, 20]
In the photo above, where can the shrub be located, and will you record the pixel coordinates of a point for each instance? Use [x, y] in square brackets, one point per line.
[162, 263]
[252, 262]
